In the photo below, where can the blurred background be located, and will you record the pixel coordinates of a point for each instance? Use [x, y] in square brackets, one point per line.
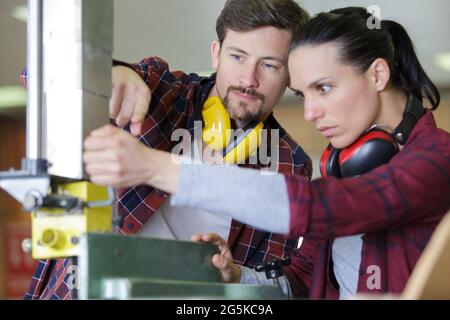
[180, 31]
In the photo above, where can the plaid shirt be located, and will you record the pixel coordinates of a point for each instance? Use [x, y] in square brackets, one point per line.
[177, 99]
[397, 206]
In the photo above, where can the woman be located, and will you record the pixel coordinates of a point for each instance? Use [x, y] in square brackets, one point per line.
[364, 228]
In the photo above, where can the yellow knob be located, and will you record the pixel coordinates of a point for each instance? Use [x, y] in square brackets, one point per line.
[52, 238]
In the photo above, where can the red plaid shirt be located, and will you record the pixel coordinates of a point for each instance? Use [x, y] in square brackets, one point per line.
[397, 206]
[177, 99]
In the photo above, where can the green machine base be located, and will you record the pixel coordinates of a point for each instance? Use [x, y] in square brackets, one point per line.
[113, 266]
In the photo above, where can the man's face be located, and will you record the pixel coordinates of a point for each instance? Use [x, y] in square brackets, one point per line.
[252, 71]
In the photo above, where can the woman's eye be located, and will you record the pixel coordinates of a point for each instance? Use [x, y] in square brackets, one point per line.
[269, 66]
[300, 95]
[324, 88]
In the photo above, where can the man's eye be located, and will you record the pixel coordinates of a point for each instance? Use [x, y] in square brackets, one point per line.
[236, 57]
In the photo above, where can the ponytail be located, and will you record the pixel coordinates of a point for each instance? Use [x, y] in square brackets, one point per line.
[409, 74]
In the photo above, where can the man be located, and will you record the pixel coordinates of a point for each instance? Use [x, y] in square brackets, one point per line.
[250, 59]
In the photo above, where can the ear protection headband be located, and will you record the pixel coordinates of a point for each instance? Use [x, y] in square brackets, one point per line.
[217, 133]
[372, 149]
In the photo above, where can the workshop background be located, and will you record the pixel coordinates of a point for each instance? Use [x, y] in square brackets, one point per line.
[180, 31]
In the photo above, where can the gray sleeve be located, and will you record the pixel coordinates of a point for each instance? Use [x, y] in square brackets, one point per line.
[250, 276]
[247, 195]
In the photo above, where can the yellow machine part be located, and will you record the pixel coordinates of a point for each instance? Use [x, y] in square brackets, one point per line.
[56, 233]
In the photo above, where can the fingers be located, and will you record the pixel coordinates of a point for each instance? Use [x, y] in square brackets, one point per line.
[141, 106]
[100, 141]
[127, 107]
[105, 131]
[213, 238]
[103, 146]
[120, 76]
[104, 169]
[130, 99]
[103, 180]
[136, 128]
[96, 159]
[223, 261]
[108, 180]
[95, 169]
[115, 102]
[115, 158]
[209, 238]
[133, 108]
[220, 262]
[196, 237]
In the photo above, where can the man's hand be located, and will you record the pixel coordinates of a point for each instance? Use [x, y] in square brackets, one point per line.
[229, 272]
[130, 99]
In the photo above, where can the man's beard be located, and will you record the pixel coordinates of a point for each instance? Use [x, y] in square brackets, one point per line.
[241, 112]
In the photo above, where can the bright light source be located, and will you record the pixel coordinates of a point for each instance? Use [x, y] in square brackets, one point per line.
[12, 96]
[442, 59]
[20, 13]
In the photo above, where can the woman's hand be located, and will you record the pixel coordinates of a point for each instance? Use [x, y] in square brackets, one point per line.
[115, 158]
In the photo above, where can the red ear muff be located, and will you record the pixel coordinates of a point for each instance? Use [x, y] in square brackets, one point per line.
[374, 148]
[371, 150]
[329, 164]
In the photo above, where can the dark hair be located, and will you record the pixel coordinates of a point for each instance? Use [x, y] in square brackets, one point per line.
[246, 15]
[360, 45]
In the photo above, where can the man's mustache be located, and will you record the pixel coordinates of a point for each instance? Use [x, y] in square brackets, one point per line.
[247, 91]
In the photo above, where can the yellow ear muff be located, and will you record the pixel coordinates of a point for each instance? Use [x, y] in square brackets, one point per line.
[217, 130]
[217, 133]
[246, 146]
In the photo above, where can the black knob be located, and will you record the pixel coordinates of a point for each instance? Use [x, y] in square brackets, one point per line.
[272, 268]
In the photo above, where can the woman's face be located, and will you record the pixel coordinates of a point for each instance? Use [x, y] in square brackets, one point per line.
[340, 101]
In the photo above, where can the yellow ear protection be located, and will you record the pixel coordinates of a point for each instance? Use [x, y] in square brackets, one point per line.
[217, 133]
